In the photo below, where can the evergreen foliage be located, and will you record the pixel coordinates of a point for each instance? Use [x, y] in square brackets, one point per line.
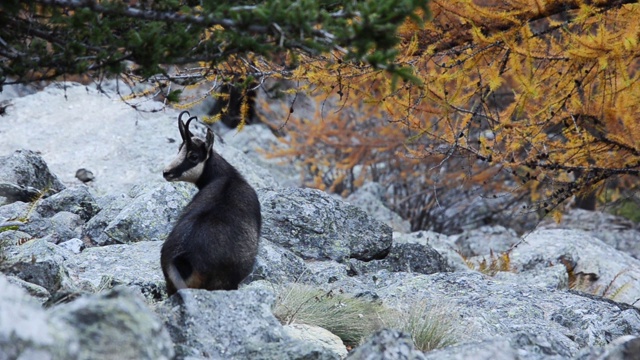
[43, 39]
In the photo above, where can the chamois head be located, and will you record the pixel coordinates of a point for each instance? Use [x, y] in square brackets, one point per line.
[192, 154]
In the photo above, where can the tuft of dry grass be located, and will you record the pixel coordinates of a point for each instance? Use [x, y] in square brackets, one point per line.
[431, 326]
[354, 319]
[495, 263]
[349, 318]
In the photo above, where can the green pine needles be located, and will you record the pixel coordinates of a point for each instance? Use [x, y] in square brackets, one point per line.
[44, 39]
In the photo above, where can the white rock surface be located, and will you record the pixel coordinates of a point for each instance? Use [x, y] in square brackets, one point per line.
[79, 127]
[317, 335]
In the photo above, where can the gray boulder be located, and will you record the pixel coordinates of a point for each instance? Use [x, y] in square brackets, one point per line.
[112, 325]
[39, 262]
[23, 175]
[276, 264]
[231, 325]
[256, 142]
[110, 207]
[615, 231]
[370, 198]
[593, 266]
[552, 277]
[115, 325]
[443, 244]
[36, 291]
[136, 265]
[74, 245]
[479, 350]
[76, 199]
[56, 216]
[622, 348]
[387, 344]
[148, 215]
[328, 341]
[461, 210]
[415, 258]
[9, 237]
[314, 225]
[325, 272]
[26, 331]
[62, 226]
[538, 323]
[484, 240]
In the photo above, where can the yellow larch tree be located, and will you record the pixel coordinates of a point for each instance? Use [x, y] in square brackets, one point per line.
[530, 101]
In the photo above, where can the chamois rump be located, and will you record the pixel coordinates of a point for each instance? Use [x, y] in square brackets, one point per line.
[214, 243]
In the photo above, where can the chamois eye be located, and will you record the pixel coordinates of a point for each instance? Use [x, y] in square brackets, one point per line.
[193, 157]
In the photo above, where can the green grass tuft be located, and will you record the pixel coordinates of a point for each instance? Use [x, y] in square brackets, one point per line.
[353, 319]
[430, 326]
[349, 318]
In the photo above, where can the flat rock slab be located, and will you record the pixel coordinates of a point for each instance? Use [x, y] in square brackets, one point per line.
[135, 264]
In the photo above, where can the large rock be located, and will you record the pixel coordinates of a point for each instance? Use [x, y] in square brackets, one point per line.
[537, 322]
[59, 217]
[276, 264]
[592, 265]
[387, 345]
[26, 331]
[615, 231]
[231, 325]
[479, 350]
[443, 244]
[110, 207]
[461, 210]
[314, 225]
[121, 145]
[149, 215]
[328, 341]
[257, 142]
[60, 227]
[115, 325]
[622, 348]
[322, 273]
[136, 265]
[552, 277]
[23, 175]
[76, 199]
[370, 198]
[484, 240]
[36, 291]
[40, 262]
[416, 258]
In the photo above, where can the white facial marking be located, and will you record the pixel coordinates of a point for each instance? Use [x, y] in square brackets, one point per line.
[193, 174]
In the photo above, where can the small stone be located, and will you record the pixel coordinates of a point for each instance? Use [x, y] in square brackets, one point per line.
[84, 175]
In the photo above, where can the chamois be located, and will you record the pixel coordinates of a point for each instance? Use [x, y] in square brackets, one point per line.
[214, 243]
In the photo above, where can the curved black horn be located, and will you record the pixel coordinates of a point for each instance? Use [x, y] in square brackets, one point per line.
[187, 124]
[188, 133]
[182, 113]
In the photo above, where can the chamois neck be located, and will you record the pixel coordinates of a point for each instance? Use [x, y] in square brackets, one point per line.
[215, 168]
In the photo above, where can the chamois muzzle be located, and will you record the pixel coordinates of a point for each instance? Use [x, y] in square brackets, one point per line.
[168, 175]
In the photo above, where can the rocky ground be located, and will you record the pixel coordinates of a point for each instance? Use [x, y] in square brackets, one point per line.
[80, 272]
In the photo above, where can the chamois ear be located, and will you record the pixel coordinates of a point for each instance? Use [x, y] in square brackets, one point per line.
[210, 139]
